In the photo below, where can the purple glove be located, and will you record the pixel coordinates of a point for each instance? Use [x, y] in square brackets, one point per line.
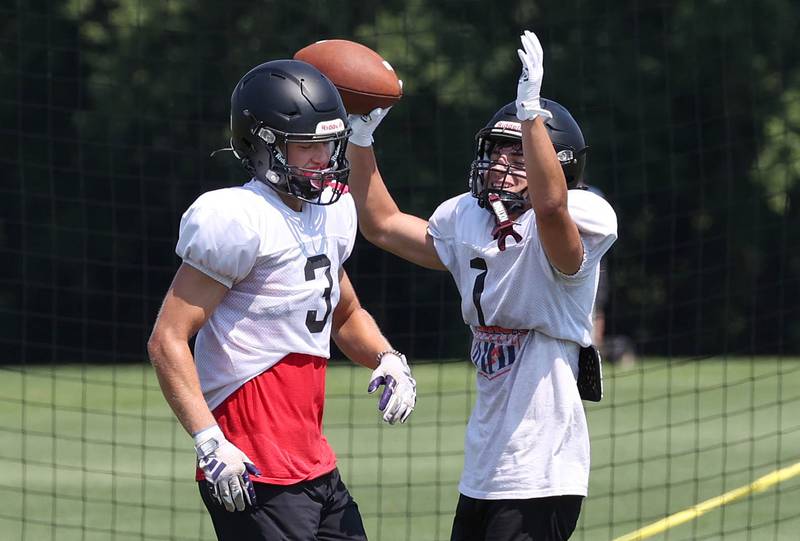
[226, 469]
[399, 389]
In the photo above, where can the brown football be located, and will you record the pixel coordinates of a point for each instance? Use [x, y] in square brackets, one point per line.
[364, 79]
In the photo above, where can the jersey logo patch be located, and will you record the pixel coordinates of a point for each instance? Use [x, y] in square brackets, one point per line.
[494, 350]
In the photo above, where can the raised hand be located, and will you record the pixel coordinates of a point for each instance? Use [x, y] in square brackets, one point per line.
[530, 80]
[365, 125]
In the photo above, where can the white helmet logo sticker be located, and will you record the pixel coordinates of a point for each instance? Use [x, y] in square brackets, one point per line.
[507, 125]
[330, 126]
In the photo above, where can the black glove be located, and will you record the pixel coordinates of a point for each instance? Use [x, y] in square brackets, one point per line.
[590, 374]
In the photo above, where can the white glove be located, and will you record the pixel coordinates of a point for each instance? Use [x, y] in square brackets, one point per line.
[530, 80]
[365, 125]
[400, 389]
[226, 469]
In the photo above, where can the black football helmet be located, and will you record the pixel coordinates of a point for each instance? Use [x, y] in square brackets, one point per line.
[289, 101]
[504, 126]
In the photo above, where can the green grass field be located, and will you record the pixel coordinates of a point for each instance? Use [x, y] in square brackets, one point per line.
[93, 453]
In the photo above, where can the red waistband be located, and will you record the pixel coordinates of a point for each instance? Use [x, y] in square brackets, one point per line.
[500, 330]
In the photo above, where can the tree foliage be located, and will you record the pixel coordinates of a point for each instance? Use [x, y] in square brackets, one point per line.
[691, 110]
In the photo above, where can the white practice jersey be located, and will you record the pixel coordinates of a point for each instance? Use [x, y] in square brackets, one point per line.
[527, 435]
[282, 268]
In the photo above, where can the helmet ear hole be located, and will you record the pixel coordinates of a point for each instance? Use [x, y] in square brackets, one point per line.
[567, 138]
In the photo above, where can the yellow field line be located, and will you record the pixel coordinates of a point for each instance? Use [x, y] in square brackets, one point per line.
[759, 485]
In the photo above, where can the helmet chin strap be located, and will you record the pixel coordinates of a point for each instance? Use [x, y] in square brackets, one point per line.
[504, 227]
[518, 206]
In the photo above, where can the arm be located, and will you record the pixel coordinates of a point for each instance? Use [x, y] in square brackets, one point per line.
[354, 331]
[547, 191]
[189, 302]
[358, 336]
[547, 187]
[380, 220]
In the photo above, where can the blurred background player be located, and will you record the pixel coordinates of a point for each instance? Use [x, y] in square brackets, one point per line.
[525, 258]
[262, 285]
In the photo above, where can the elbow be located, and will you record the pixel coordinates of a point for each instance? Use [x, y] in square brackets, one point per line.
[156, 345]
[374, 232]
[368, 230]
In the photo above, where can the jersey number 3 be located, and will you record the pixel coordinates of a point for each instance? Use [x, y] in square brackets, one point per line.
[477, 290]
[319, 262]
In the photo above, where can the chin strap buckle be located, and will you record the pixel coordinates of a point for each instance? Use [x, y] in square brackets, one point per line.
[504, 227]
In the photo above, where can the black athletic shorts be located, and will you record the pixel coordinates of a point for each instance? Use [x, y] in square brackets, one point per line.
[318, 509]
[537, 519]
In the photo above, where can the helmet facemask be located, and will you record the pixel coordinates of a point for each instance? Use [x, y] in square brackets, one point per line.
[564, 133]
[318, 187]
[484, 167]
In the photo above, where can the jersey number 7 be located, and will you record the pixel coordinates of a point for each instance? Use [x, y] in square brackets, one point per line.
[477, 290]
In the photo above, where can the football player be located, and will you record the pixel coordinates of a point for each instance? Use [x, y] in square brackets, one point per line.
[263, 287]
[523, 250]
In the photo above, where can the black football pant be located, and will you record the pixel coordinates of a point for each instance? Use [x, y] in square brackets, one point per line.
[318, 509]
[537, 519]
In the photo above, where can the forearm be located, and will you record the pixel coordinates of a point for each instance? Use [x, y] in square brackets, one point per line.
[359, 337]
[547, 187]
[373, 201]
[547, 191]
[381, 221]
[361, 340]
[177, 376]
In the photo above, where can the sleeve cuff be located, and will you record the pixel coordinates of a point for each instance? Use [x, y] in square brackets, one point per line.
[224, 280]
[578, 275]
